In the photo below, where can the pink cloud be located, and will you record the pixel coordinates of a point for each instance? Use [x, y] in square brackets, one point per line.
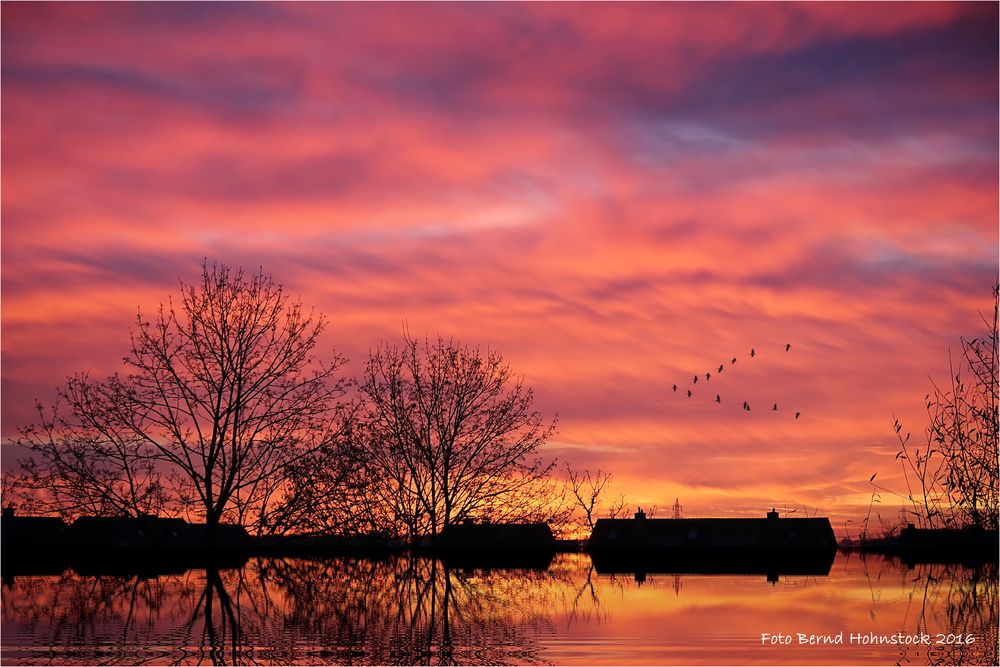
[615, 199]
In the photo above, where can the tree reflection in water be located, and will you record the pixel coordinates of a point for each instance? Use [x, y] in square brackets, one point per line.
[394, 611]
[421, 611]
[94, 619]
[946, 598]
[956, 600]
[413, 610]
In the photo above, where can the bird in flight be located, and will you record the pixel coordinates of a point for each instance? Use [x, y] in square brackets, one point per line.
[775, 407]
[696, 379]
[689, 393]
[753, 353]
[797, 414]
[788, 346]
[718, 399]
[746, 406]
[721, 366]
[675, 387]
[708, 376]
[733, 361]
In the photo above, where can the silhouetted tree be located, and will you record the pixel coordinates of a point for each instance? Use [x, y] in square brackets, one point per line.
[452, 436]
[924, 472]
[586, 488]
[964, 424]
[80, 462]
[223, 396]
[957, 468]
[330, 491]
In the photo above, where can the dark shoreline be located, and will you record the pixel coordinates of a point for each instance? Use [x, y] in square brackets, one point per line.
[146, 546]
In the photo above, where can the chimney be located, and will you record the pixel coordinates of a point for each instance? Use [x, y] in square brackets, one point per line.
[773, 514]
[640, 515]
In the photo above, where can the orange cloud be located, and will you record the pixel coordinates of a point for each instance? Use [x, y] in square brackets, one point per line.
[615, 199]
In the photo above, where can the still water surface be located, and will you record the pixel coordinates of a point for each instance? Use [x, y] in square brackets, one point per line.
[418, 611]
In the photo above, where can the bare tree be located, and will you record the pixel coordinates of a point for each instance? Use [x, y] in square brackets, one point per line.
[964, 425]
[223, 396]
[586, 488]
[957, 468]
[453, 435]
[81, 462]
[327, 492]
[339, 490]
[924, 471]
[619, 508]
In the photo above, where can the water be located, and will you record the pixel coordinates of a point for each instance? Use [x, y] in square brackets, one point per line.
[418, 611]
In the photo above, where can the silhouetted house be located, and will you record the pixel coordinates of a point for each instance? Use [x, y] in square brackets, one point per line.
[145, 532]
[226, 535]
[124, 532]
[35, 532]
[771, 532]
[472, 535]
[488, 546]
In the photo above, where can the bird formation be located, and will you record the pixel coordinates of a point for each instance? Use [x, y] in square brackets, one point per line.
[718, 397]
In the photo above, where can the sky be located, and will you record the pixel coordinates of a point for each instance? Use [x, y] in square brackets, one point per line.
[613, 196]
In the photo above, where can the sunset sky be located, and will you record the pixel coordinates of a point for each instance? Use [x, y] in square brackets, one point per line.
[615, 197]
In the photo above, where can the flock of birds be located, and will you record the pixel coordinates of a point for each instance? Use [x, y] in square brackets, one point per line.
[722, 367]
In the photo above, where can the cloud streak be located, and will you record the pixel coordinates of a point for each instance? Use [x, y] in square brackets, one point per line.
[615, 199]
